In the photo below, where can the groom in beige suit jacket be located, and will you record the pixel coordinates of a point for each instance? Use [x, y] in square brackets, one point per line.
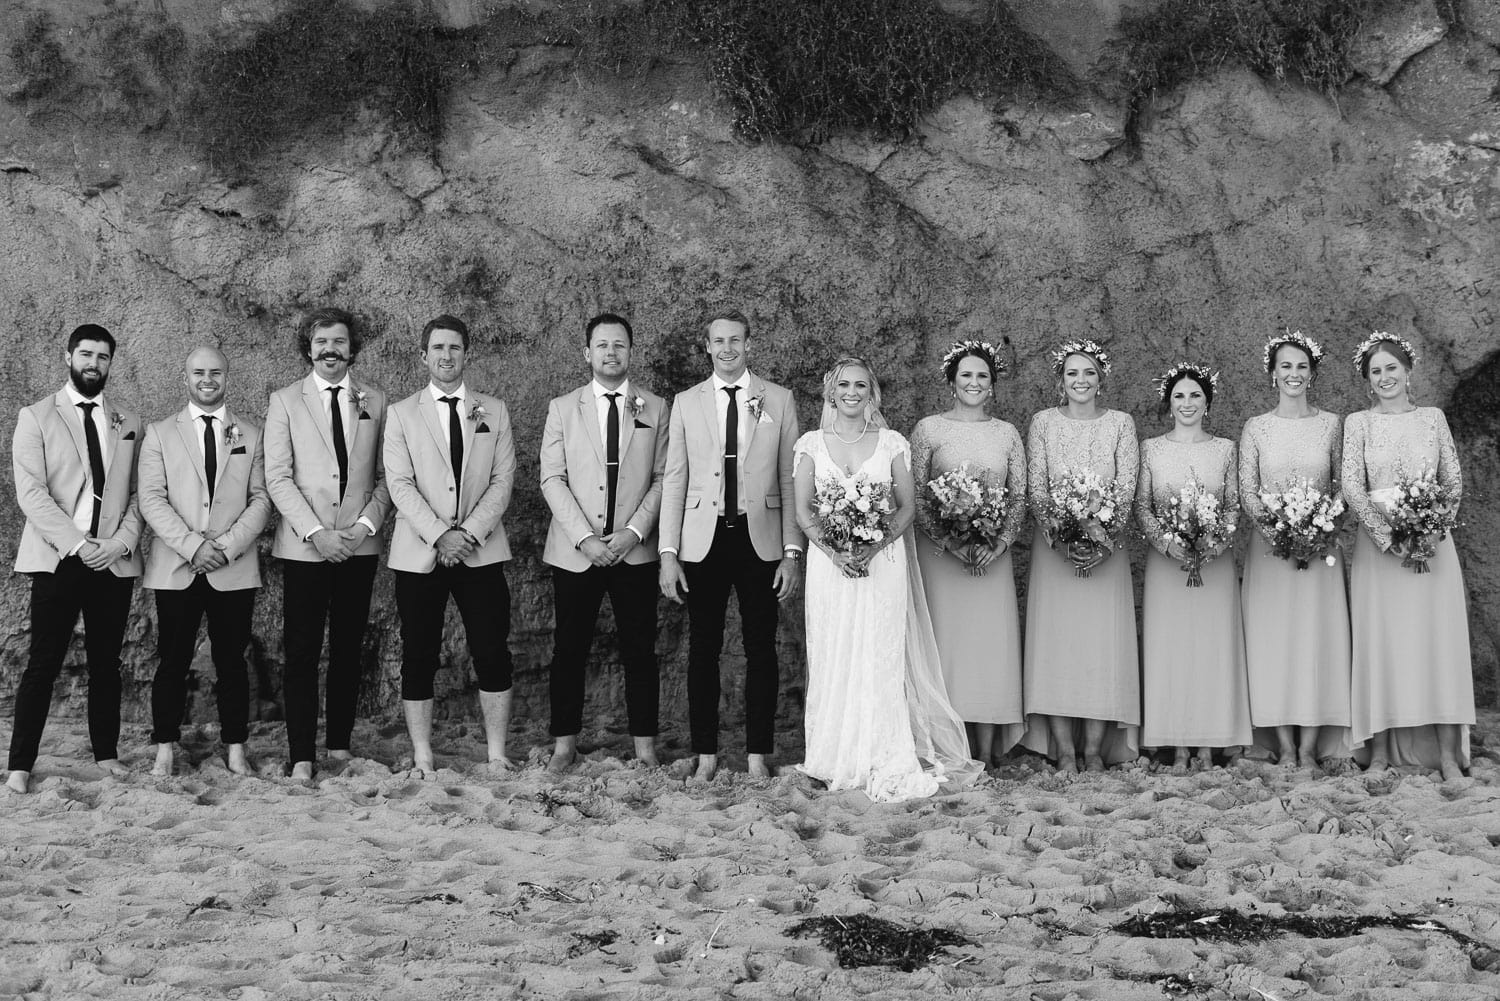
[203, 492]
[74, 455]
[603, 453]
[728, 521]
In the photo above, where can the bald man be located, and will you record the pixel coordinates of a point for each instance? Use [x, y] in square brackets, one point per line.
[202, 489]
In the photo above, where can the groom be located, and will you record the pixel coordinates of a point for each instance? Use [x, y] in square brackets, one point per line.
[728, 521]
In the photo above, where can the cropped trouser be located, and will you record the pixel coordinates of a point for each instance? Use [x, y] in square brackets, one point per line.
[483, 601]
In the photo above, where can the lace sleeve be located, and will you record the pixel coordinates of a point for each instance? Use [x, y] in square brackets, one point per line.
[1335, 457]
[1015, 482]
[1145, 512]
[1232, 496]
[1127, 462]
[1448, 472]
[1249, 472]
[1036, 461]
[896, 444]
[1356, 486]
[804, 450]
[921, 462]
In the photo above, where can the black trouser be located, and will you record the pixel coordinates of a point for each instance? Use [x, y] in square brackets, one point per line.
[317, 594]
[483, 601]
[57, 598]
[732, 563]
[178, 615]
[632, 594]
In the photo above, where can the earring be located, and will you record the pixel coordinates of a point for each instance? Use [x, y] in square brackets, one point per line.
[953, 393]
[1273, 382]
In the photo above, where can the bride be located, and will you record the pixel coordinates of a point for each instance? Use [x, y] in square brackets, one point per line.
[878, 718]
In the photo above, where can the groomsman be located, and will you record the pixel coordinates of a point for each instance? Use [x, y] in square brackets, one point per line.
[75, 466]
[324, 474]
[203, 492]
[603, 452]
[728, 521]
[450, 463]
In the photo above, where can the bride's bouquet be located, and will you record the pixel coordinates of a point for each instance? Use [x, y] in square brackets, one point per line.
[1301, 522]
[852, 513]
[966, 510]
[1422, 512]
[1196, 520]
[1083, 514]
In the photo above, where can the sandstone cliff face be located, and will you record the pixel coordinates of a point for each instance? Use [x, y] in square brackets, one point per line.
[554, 195]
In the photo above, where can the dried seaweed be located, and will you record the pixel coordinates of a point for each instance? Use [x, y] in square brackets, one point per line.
[1233, 926]
[584, 942]
[863, 940]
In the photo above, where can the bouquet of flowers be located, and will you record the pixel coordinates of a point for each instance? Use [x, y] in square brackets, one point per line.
[966, 510]
[1083, 513]
[853, 513]
[1301, 522]
[1421, 511]
[1196, 520]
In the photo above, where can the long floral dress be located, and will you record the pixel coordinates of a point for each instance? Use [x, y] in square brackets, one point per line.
[1196, 693]
[976, 619]
[1080, 657]
[1411, 663]
[1296, 621]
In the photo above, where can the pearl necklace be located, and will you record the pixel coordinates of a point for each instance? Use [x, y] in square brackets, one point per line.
[856, 440]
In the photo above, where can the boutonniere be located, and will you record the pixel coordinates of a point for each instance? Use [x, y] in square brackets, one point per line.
[757, 407]
[116, 421]
[635, 405]
[233, 437]
[360, 398]
[478, 413]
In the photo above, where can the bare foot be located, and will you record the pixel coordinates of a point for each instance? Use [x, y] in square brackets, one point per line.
[1287, 757]
[1093, 763]
[1067, 764]
[302, 771]
[756, 765]
[162, 766]
[422, 763]
[1308, 762]
[1180, 762]
[1378, 763]
[1203, 760]
[564, 753]
[1450, 769]
[18, 781]
[112, 766]
[341, 755]
[708, 764]
[238, 763]
[497, 766]
[645, 751]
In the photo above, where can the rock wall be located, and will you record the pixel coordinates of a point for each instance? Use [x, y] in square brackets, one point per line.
[558, 192]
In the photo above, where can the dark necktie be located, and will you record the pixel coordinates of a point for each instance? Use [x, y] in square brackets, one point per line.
[731, 458]
[455, 438]
[96, 463]
[210, 454]
[340, 449]
[611, 458]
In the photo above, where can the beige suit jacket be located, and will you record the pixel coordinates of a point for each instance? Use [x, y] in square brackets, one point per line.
[51, 460]
[420, 477]
[695, 463]
[574, 478]
[302, 470]
[174, 501]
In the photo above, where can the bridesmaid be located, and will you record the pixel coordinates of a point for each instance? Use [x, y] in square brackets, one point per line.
[1082, 670]
[1296, 621]
[974, 612]
[1413, 694]
[1196, 694]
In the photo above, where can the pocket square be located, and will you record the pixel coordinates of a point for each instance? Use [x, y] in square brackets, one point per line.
[129, 436]
[365, 416]
[643, 424]
[482, 429]
[765, 418]
[237, 451]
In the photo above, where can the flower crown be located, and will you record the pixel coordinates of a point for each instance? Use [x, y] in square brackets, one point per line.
[961, 348]
[1295, 338]
[1368, 344]
[1083, 347]
[1199, 373]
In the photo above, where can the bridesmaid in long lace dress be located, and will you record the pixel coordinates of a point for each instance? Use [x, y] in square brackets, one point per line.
[1196, 694]
[972, 591]
[1082, 669]
[1413, 693]
[1296, 621]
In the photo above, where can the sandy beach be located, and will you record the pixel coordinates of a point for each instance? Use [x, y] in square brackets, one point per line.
[616, 881]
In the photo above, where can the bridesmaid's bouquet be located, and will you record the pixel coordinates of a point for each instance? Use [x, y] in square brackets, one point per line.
[853, 513]
[1196, 520]
[967, 510]
[1422, 512]
[1301, 522]
[1083, 514]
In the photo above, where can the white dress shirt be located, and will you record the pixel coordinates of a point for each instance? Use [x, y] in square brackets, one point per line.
[221, 448]
[442, 408]
[346, 411]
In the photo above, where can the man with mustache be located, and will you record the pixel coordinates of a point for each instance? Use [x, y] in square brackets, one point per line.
[450, 463]
[324, 474]
[203, 492]
[75, 465]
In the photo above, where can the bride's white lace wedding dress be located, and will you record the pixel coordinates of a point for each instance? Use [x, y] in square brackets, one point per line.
[877, 717]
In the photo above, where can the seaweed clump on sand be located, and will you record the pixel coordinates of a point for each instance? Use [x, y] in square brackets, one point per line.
[863, 940]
